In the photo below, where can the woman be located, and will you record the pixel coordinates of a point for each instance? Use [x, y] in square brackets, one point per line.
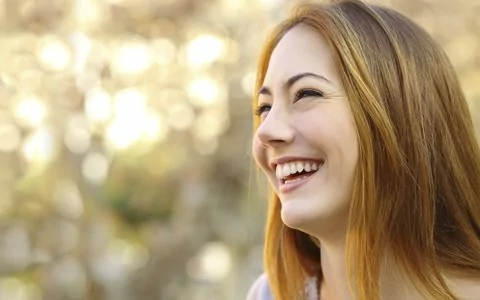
[367, 141]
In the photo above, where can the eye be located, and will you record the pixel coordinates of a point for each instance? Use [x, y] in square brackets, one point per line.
[262, 108]
[307, 93]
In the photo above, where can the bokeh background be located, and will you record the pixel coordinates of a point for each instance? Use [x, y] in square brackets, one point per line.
[125, 130]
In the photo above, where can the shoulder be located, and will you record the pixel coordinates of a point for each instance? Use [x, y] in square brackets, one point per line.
[259, 289]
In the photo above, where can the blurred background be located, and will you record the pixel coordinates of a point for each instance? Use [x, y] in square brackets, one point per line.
[125, 130]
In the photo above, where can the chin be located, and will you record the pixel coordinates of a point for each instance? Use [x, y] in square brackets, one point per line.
[297, 216]
[316, 221]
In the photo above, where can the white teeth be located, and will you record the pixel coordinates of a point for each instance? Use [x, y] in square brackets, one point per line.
[308, 168]
[286, 169]
[296, 179]
[299, 167]
[279, 171]
[293, 168]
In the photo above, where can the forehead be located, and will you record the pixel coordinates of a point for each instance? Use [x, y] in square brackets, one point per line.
[301, 49]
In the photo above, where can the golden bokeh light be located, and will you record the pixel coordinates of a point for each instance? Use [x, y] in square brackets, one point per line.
[204, 92]
[40, 146]
[205, 146]
[95, 167]
[164, 51]
[77, 136]
[130, 103]
[87, 12]
[82, 45]
[30, 111]
[180, 116]
[211, 123]
[98, 105]
[248, 83]
[53, 54]
[213, 262]
[131, 58]
[128, 254]
[205, 49]
[154, 127]
[121, 134]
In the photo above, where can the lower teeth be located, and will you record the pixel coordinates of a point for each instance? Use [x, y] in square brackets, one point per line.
[296, 179]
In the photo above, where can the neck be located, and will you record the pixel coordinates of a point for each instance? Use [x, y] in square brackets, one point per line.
[334, 284]
[393, 285]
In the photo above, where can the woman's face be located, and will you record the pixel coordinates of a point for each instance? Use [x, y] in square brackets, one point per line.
[306, 142]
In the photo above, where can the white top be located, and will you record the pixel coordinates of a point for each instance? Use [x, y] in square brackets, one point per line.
[261, 291]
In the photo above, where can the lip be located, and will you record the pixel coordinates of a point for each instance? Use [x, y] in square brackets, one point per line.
[286, 188]
[284, 159]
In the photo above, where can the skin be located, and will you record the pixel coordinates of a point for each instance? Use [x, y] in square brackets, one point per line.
[312, 119]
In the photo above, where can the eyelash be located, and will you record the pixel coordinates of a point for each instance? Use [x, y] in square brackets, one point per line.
[298, 96]
[309, 92]
[261, 109]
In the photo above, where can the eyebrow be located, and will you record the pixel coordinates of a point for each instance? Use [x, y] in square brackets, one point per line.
[290, 81]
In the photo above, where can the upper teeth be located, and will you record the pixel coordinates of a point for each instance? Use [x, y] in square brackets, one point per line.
[289, 168]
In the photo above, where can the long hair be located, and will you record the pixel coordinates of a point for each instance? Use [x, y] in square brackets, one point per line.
[417, 184]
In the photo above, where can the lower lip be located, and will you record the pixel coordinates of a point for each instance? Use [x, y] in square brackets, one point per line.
[291, 186]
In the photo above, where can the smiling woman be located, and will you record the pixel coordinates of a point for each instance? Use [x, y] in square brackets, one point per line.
[367, 141]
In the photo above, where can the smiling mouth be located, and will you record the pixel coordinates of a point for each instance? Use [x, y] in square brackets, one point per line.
[292, 172]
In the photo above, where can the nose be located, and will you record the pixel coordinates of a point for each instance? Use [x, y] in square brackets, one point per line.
[276, 129]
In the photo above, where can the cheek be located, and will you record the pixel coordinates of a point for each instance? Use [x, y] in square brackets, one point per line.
[334, 133]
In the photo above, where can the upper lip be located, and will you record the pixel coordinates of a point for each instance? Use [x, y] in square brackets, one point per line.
[284, 159]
